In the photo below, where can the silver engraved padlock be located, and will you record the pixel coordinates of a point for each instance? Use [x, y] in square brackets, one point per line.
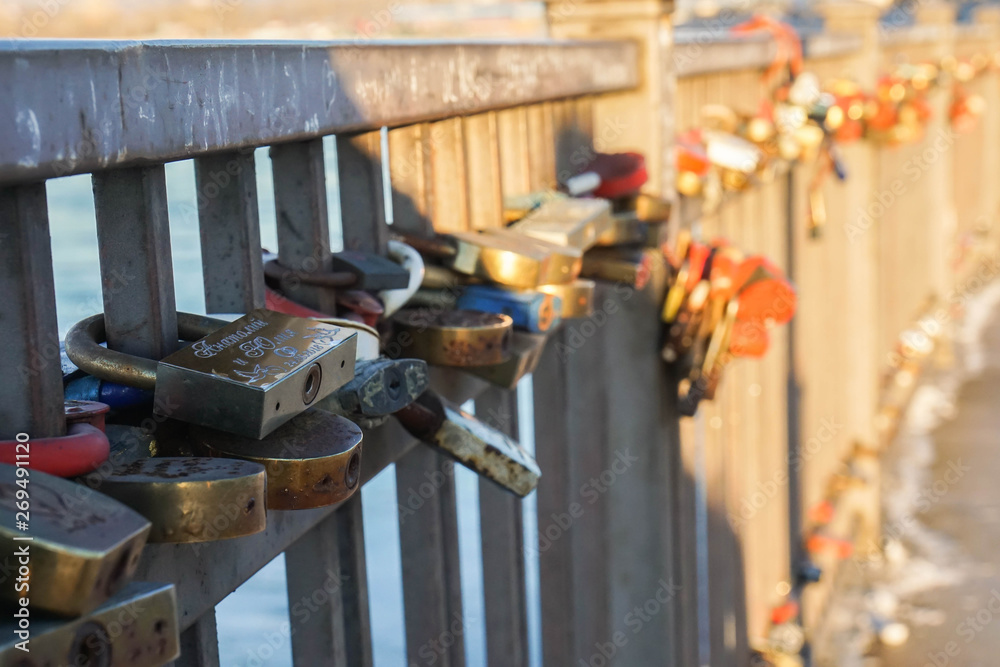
[246, 377]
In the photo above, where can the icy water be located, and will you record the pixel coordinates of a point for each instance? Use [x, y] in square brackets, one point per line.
[253, 621]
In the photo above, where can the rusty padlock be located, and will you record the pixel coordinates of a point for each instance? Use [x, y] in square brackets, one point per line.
[451, 337]
[525, 353]
[71, 547]
[311, 461]
[476, 445]
[248, 376]
[138, 626]
[190, 499]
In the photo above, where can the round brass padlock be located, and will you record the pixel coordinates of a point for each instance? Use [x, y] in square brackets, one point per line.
[452, 337]
[191, 499]
[311, 461]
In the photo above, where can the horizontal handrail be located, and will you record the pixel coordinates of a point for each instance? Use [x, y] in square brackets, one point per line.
[80, 106]
[706, 51]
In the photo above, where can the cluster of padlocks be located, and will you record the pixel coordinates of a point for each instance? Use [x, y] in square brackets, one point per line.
[803, 120]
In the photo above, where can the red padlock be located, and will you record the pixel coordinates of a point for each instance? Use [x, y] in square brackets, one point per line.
[84, 447]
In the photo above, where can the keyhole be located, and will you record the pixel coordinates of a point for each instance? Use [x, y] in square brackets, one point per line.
[311, 387]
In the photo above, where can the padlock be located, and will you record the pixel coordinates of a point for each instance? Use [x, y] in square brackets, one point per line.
[643, 207]
[531, 311]
[84, 447]
[311, 461]
[577, 297]
[380, 386]
[349, 269]
[516, 207]
[619, 265]
[507, 258]
[765, 295]
[138, 626]
[820, 543]
[610, 176]
[564, 261]
[485, 450]
[626, 229]
[567, 222]
[248, 376]
[451, 337]
[692, 163]
[807, 572]
[72, 548]
[190, 499]
[737, 158]
[525, 353]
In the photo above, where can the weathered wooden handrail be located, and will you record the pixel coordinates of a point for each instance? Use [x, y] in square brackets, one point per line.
[118, 104]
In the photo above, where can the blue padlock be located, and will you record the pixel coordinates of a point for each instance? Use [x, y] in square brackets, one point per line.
[535, 312]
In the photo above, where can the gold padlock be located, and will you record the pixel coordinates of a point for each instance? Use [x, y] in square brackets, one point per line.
[564, 261]
[311, 461]
[567, 222]
[500, 259]
[618, 265]
[191, 499]
[451, 337]
[138, 626]
[577, 297]
[72, 547]
[626, 229]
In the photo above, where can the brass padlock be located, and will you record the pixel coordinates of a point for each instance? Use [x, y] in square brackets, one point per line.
[514, 261]
[476, 445]
[70, 547]
[619, 265]
[644, 208]
[626, 229]
[567, 222]
[138, 626]
[564, 261]
[451, 337]
[577, 297]
[312, 461]
[526, 352]
[190, 499]
[247, 377]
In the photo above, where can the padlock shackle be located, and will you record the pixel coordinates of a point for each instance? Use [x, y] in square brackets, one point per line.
[331, 279]
[83, 347]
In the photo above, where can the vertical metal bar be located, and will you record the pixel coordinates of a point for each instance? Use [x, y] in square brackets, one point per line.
[303, 220]
[133, 236]
[230, 232]
[638, 472]
[362, 200]
[541, 147]
[200, 643]
[410, 171]
[482, 157]
[512, 133]
[428, 530]
[571, 416]
[428, 535]
[328, 592]
[502, 527]
[340, 634]
[32, 396]
[449, 203]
